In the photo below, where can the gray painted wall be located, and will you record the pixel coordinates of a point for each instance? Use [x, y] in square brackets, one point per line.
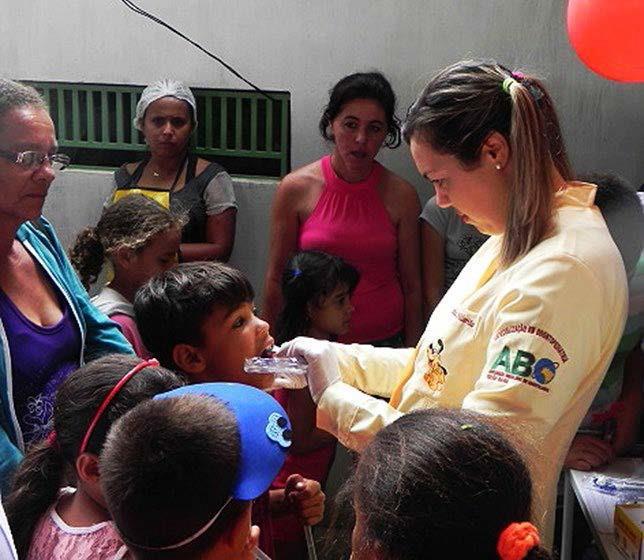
[305, 46]
[76, 198]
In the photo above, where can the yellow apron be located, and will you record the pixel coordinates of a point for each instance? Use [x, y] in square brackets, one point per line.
[160, 196]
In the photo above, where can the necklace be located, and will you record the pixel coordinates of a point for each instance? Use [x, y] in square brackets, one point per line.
[157, 174]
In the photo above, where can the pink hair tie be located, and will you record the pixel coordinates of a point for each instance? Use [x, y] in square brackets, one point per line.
[518, 75]
[52, 439]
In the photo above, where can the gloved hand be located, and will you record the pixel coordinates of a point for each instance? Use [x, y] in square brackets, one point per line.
[323, 368]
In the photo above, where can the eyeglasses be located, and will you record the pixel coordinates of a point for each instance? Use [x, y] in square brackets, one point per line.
[33, 160]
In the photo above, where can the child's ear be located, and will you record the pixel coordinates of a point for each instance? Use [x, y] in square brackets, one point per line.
[240, 534]
[87, 467]
[188, 359]
[123, 257]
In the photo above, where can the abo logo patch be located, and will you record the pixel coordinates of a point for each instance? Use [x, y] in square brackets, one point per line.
[523, 366]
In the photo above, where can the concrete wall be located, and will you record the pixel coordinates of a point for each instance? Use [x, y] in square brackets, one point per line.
[76, 199]
[305, 46]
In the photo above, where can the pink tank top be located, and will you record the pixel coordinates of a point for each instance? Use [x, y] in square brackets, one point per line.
[351, 222]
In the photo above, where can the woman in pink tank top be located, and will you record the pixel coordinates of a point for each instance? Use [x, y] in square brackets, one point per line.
[349, 205]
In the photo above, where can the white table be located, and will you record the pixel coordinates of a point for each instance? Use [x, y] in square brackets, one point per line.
[597, 507]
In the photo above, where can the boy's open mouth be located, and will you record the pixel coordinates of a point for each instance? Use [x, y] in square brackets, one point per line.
[270, 349]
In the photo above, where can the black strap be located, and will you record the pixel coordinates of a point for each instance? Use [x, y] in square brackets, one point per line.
[192, 167]
[191, 159]
[179, 171]
[134, 180]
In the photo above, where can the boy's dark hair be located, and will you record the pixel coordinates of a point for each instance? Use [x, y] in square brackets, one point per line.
[172, 307]
[45, 467]
[622, 211]
[309, 277]
[363, 85]
[441, 480]
[168, 466]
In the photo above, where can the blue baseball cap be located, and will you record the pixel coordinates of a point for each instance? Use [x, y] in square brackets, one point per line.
[264, 432]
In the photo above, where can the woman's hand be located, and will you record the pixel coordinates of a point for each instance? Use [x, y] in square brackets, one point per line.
[323, 367]
[588, 452]
[307, 498]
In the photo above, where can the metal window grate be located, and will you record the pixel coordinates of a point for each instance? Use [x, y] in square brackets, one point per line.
[234, 125]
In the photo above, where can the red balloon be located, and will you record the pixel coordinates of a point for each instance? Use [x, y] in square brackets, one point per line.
[608, 36]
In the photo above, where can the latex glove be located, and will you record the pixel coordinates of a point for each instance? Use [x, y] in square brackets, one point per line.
[306, 496]
[323, 368]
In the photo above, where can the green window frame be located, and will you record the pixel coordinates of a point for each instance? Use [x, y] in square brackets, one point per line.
[239, 126]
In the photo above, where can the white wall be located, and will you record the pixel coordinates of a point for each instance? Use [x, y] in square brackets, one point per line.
[76, 198]
[304, 46]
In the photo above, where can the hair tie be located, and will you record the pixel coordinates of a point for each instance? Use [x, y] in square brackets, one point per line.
[110, 396]
[519, 77]
[516, 540]
[507, 84]
[52, 440]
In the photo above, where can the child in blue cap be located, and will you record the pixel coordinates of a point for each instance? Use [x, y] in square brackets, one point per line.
[179, 472]
[199, 319]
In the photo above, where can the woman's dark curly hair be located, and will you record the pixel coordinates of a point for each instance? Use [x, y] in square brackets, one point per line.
[363, 85]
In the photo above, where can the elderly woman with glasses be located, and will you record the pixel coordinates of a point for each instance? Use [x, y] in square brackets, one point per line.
[47, 324]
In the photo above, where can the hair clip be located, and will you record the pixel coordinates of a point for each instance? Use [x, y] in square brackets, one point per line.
[52, 440]
[296, 272]
[466, 427]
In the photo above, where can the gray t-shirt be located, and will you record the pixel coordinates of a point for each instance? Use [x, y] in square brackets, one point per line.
[461, 240]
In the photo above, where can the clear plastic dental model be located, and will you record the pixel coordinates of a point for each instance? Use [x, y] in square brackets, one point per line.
[288, 372]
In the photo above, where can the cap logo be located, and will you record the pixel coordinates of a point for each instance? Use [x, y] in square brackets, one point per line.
[278, 431]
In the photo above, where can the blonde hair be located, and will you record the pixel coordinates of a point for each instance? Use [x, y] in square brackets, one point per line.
[467, 101]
